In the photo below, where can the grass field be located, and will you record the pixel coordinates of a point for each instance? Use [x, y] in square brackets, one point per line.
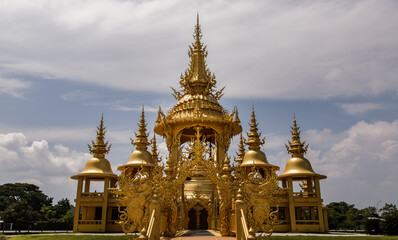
[101, 237]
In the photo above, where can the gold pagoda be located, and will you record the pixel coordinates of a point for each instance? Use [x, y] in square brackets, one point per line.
[199, 187]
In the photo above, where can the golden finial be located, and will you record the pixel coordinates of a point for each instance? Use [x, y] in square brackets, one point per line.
[253, 140]
[226, 167]
[159, 118]
[100, 148]
[236, 120]
[155, 154]
[141, 141]
[241, 152]
[296, 147]
[198, 33]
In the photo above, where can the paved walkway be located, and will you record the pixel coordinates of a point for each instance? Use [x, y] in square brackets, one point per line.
[199, 235]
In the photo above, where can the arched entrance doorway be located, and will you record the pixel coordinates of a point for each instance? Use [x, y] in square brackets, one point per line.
[198, 218]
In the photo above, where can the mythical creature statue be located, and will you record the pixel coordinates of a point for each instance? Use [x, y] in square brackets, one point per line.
[260, 193]
[135, 193]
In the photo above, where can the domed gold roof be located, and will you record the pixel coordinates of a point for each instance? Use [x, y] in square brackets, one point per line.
[255, 157]
[98, 166]
[140, 157]
[298, 166]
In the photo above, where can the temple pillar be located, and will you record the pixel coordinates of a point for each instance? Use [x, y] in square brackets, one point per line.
[87, 186]
[319, 205]
[105, 198]
[77, 201]
[292, 211]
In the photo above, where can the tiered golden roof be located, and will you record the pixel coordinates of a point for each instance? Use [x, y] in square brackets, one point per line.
[197, 99]
[140, 157]
[98, 166]
[298, 166]
[254, 157]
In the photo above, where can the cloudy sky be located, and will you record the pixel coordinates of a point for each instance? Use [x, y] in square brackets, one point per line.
[332, 63]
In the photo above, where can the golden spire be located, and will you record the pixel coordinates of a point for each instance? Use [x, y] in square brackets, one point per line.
[155, 154]
[159, 118]
[141, 141]
[236, 120]
[253, 140]
[296, 147]
[197, 78]
[241, 152]
[100, 148]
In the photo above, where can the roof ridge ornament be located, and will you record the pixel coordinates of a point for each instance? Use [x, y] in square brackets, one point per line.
[296, 147]
[100, 147]
[197, 78]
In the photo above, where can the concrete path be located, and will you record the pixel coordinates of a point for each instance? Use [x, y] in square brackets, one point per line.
[199, 235]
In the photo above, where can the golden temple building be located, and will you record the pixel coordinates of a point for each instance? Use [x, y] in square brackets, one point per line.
[199, 187]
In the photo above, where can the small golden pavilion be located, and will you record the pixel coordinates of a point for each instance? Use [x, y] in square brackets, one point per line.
[199, 187]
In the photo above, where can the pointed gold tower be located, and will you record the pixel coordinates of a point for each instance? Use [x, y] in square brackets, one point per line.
[298, 166]
[307, 197]
[140, 157]
[98, 165]
[241, 152]
[93, 205]
[254, 157]
[154, 152]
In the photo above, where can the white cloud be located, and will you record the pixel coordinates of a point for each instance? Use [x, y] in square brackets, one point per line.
[360, 108]
[13, 87]
[310, 50]
[35, 162]
[77, 95]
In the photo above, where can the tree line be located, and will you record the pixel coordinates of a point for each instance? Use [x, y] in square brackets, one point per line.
[344, 216]
[27, 207]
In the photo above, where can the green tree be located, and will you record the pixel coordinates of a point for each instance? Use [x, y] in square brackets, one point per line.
[57, 212]
[22, 202]
[390, 217]
[342, 215]
[62, 207]
[371, 221]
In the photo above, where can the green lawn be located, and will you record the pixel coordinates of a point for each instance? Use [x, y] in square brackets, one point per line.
[101, 237]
